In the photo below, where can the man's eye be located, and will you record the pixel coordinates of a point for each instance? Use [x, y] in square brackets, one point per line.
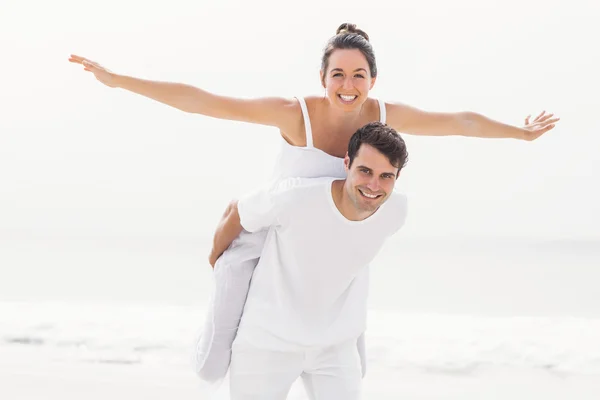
[358, 76]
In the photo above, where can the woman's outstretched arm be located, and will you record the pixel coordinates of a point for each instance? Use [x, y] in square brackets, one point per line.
[273, 111]
[411, 120]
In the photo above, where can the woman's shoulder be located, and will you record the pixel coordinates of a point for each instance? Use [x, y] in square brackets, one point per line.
[313, 101]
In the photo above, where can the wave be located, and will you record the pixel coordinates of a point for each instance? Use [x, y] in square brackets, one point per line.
[120, 334]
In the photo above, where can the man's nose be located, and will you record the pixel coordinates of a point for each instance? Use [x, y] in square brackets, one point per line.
[373, 184]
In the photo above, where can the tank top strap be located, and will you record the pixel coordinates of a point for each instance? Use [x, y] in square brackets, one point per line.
[307, 128]
[382, 115]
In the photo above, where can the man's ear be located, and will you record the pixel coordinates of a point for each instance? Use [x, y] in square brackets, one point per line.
[346, 162]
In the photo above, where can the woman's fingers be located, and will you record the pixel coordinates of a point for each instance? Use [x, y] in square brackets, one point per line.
[76, 59]
[81, 60]
[539, 116]
[545, 117]
[551, 121]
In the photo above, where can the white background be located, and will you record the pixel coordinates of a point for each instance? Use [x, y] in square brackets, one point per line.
[80, 161]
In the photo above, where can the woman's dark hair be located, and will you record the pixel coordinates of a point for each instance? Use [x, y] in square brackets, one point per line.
[383, 138]
[348, 36]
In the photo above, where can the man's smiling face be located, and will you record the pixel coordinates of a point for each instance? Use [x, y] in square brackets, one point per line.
[371, 179]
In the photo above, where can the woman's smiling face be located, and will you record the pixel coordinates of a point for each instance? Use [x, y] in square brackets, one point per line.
[347, 80]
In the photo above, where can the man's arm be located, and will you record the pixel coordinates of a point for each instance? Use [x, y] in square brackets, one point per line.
[254, 211]
[228, 229]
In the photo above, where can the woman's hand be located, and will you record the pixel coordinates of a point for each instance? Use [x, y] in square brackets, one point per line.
[102, 74]
[540, 125]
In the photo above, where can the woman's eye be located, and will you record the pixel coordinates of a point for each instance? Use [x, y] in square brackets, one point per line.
[358, 76]
[337, 75]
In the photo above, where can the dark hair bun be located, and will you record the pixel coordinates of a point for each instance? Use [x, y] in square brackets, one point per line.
[351, 28]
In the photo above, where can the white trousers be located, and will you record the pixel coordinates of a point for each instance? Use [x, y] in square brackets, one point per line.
[232, 274]
[328, 373]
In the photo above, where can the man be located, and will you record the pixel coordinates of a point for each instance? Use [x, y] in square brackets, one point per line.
[305, 309]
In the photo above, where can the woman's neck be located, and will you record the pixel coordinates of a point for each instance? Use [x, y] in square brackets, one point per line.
[341, 116]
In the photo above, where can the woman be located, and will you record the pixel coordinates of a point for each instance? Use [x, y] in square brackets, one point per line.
[315, 132]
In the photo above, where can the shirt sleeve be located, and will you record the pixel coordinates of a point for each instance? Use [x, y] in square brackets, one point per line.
[263, 207]
[399, 209]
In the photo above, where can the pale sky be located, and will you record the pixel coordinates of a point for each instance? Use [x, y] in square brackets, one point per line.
[80, 159]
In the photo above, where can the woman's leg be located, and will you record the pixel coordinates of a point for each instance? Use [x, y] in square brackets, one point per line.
[362, 353]
[232, 274]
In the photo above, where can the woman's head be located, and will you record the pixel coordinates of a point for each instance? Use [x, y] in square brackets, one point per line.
[348, 67]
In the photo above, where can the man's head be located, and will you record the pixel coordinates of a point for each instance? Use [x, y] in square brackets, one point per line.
[376, 154]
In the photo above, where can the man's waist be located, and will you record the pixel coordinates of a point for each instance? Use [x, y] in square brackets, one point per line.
[301, 328]
[271, 337]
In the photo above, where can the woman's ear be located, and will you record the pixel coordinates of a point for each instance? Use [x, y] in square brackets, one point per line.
[372, 82]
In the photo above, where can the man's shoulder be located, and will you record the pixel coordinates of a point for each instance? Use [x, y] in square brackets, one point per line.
[299, 194]
[275, 199]
[297, 185]
[396, 210]
[398, 199]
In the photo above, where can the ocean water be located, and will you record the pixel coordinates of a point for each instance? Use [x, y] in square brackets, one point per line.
[427, 343]
[436, 305]
[464, 276]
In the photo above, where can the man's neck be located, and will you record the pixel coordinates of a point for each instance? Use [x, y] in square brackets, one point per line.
[344, 204]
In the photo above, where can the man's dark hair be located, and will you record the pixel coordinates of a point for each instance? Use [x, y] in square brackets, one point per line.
[382, 137]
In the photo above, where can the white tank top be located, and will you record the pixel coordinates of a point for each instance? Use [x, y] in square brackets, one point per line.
[299, 162]
[309, 161]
